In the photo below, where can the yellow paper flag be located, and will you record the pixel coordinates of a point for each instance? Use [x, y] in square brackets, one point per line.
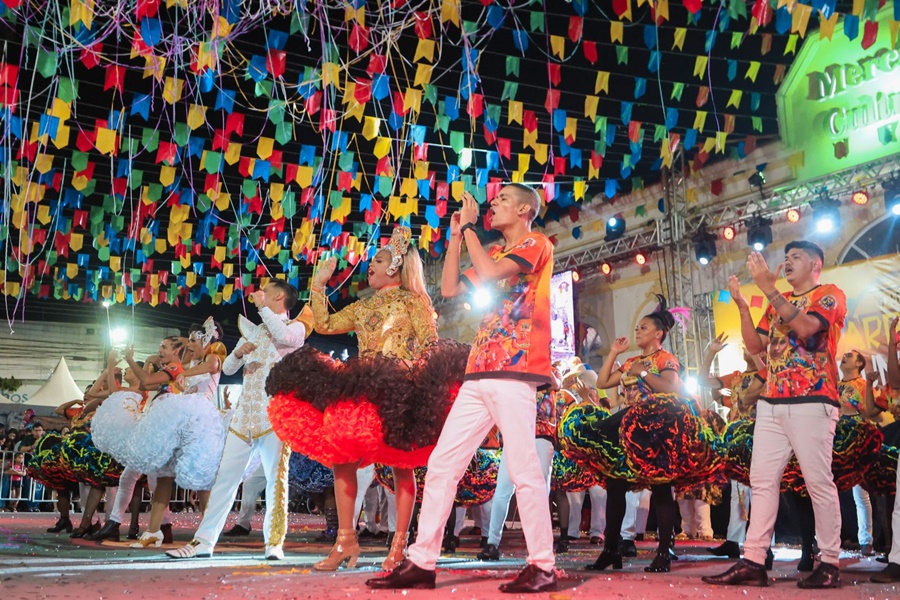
[680, 33]
[602, 84]
[826, 26]
[791, 45]
[700, 120]
[423, 75]
[590, 107]
[425, 49]
[524, 162]
[233, 153]
[800, 19]
[382, 147]
[412, 100]
[514, 110]
[264, 147]
[735, 99]
[616, 29]
[540, 153]
[370, 128]
[700, 66]
[450, 11]
[196, 116]
[558, 46]
[529, 138]
[571, 129]
[578, 189]
[172, 90]
[166, 175]
[752, 71]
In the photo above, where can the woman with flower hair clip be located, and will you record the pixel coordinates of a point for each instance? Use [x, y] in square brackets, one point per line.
[387, 406]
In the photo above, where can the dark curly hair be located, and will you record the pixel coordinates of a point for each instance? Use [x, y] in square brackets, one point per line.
[661, 317]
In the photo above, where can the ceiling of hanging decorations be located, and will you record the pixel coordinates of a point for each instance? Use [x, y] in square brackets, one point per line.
[172, 151]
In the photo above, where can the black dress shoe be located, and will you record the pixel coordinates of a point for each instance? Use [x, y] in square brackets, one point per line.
[662, 563]
[825, 576]
[81, 532]
[530, 580]
[489, 552]
[405, 576]
[561, 546]
[605, 560]
[882, 559]
[110, 531]
[890, 574]
[166, 530]
[596, 540]
[726, 548]
[61, 524]
[743, 572]
[237, 531]
[627, 548]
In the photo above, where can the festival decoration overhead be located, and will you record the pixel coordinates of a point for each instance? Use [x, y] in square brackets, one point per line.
[169, 151]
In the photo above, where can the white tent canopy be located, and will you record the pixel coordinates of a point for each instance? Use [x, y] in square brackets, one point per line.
[60, 388]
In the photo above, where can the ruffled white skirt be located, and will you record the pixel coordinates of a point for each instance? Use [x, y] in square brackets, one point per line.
[114, 422]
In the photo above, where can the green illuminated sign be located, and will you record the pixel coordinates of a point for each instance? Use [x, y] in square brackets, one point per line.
[840, 104]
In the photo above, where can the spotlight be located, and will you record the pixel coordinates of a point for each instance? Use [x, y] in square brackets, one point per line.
[793, 215]
[757, 180]
[728, 233]
[704, 246]
[640, 258]
[576, 276]
[759, 233]
[467, 306]
[117, 335]
[606, 268]
[482, 297]
[892, 196]
[860, 197]
[107, 304]
[826, 214]
[615, 228]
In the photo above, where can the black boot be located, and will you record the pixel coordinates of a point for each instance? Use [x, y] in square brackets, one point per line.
[489, 552]
[110, 531]
[450, 543]
[606, 559]
[627, 548]
[726, 548]
[331, 526]
[562, 544]
[662, 563]
[63, 523]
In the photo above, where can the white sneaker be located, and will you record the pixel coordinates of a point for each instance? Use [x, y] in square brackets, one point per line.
[149, 540]
[193, 549]
[275, 553]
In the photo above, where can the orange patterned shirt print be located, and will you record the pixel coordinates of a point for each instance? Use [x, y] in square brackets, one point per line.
[805, 370]
[853, 394]
[739, 382]
[513, 340]
[636, 389]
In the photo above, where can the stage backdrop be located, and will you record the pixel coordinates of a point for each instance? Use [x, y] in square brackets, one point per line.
[872, 288]
[562, 313]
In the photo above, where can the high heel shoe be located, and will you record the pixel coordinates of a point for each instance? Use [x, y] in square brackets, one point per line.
[662, 563]
[149, 540]
[81, 532]
[62, 524]
[397, 553]
[345, 548]
[605, 560]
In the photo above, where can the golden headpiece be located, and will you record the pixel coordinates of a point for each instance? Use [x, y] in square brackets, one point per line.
[398, 246]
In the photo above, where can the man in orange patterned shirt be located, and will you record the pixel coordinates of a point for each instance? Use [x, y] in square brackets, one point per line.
[798, 409]
[510, 359]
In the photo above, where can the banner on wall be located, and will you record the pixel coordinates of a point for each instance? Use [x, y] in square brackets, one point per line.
[872, 288]
[562, 317]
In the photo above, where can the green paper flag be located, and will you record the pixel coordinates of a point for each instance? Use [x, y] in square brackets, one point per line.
[289, 205]
[248, 188]
[182, 134]
[659, 133]
[137, 179]
[154, 191]
[299, 21]
[150, 139]
[276, 111]
[345, 162]
[512, 65]
[431, 94]
[284, 132]
[736, 38]
[67, 90]
[510, 89]
[537, 21]
[677, 90]
[622, 55]
[203, 203]
[457, 141]
[264, 88]
[46, 63]
[79, 160]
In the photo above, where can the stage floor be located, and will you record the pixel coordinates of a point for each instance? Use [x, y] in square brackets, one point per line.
[35, 564]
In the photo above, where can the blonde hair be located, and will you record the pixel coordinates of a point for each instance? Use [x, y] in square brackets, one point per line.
[412, 274]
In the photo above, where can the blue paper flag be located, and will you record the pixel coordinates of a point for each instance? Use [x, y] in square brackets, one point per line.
[140, 105]
[381, 86]
[225, 100]
[612, 187]
[640, 88]
[650, 36]
[495, 16]
[520, 39]
[559, 120]
[257, 69]
[625, 115]
[851, 26]
[671, 118]
[151, 30]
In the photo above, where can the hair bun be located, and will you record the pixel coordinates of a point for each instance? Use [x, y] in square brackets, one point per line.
[662, 313]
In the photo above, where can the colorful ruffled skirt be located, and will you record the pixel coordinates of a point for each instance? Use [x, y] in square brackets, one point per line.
[86, 463]
[660, 440]
[477, 485]
[881, 478]
[367, 410]
[854, 452]
[308, 476]
[177, 435]
[570, 476]
[46, 464]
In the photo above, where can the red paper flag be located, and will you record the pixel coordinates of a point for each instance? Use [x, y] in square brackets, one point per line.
[693, 6]
[423, 25]
[115, 78]
[762, 11]
[377, 64]
[489, 136]
[756, 301]
[475, 106]
[716, 186]
[358, 40]
[529, 120]
[575, 26]
[503, 147]
[559, 165]
[554, 72]
[146, 8]
[702, 96]
[275, 62]
[8, 74]
[90, 55]
[870, 32]
[166, 153]
[220, 140]
[314, 103]
[552, 102]
[442, 191]
[590, 51]
[234, 124]
[363, 90]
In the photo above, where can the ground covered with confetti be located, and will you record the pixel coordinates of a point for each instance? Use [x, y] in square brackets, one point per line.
[35, 564]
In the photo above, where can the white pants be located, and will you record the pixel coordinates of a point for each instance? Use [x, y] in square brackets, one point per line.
[598, 511]
[237, 455]
[125, 491]
[510, 403]
[740, 512]
[253, 486]
[378, 501]
[807, 431]
[637, 510]
[364, 478]
[505, 488]
[863, 515]
[695, 519]
[894, 556]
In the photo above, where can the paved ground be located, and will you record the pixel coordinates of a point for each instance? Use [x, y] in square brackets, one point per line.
[35, 564]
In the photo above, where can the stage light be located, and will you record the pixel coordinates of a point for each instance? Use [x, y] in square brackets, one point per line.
[691, 384]
[615, 228]
[576, 276]
[826, 213]
[759, 233]
[860, 197]
[467, 306]
[704, 246]
[640, 259]
[118, 335]
[793, 215]
[482, 297]
[892, 196]
[606, 268]
[757, 180]
[728, 233]
[107, 304]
